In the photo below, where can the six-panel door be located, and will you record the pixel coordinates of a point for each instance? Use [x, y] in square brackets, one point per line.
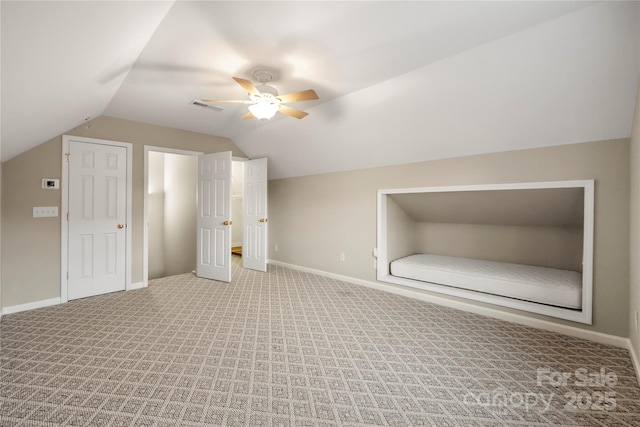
[97, 219]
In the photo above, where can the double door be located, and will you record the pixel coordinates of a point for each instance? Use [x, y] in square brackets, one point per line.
[214, 216]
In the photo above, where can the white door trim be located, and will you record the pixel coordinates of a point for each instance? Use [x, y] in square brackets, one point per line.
[64, 210]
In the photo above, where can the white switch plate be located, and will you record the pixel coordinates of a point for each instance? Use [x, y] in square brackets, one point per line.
[45, 211]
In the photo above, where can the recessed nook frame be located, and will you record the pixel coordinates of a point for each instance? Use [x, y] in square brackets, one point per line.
[583, 315]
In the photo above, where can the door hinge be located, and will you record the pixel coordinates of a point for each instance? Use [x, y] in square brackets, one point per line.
[68, 157]
[67, 216]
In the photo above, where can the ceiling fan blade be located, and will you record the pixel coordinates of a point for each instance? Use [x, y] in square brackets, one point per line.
[305, 95]
[247, 85]
[292, 112]
[248, 116]
[231, 101]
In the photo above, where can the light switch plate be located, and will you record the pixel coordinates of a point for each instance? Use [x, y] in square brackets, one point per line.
[45, 211]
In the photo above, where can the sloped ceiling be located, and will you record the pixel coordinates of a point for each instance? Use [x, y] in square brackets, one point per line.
[398, 81]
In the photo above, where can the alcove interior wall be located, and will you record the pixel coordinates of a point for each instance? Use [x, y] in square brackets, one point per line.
[542, 227]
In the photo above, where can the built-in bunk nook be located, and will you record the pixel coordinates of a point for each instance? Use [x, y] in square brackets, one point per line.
[527, 246]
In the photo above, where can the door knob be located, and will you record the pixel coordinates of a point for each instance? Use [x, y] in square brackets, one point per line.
[263, 219]
[120, 225]
[227, 223]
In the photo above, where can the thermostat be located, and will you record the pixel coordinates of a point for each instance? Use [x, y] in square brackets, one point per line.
[50, 183]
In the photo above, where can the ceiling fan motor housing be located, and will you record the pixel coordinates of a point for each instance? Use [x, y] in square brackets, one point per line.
[266, 89]
[264, 77]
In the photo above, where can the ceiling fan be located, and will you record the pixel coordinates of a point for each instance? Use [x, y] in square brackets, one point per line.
[264, 101]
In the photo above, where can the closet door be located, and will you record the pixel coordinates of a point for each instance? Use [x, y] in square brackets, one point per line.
[97, 180]
[254, 217]
[214, 216]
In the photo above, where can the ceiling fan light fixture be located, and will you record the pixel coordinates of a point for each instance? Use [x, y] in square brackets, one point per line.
[265, 102]
[264, 110]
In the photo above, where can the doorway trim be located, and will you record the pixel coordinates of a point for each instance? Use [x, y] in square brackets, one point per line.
[64, 211]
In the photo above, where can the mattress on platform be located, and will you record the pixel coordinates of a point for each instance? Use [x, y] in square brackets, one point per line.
[543, 285]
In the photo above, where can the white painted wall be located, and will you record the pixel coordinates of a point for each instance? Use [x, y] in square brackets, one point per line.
[568, 80]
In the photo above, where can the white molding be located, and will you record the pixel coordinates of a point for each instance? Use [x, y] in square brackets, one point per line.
[503, 301]
[31, 306]
[546, 325]
[64, 209]
[584, 315]
[487, 187]
[52, 301]
[137, 285]
[634, 359]
[170, 150]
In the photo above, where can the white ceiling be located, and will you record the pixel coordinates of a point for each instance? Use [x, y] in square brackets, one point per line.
[398, 81]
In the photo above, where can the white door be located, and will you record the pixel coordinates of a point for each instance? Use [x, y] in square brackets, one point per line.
[214, 216]
[97, 219]
[254, 218]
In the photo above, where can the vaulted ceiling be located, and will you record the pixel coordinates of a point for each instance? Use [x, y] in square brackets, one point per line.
[398, 81]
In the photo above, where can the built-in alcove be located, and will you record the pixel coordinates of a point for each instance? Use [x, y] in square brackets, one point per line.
[481, 240]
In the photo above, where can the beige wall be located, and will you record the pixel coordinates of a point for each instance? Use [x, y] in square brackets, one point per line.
[401, 240]
[314, 218]
[31, 247]
[634, 232]
[0, 241]
[534, 226]
[543, 246]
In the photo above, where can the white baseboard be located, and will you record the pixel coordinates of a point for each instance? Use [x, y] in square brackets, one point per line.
[137, 285]
[472, 308]
[52, 301]
[30, 306]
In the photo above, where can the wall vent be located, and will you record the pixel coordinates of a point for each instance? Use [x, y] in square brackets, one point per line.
[203, 105]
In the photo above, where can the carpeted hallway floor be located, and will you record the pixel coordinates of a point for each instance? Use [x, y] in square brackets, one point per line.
[286, 348]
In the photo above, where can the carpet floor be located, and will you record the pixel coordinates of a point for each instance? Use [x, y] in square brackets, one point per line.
[287, 348]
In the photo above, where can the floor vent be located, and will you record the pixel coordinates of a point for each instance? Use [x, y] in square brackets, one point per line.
[203, 105]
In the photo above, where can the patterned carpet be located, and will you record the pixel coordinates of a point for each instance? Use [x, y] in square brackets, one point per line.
[286, 348]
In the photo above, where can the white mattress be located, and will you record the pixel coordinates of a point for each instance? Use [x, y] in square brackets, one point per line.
[538, 284]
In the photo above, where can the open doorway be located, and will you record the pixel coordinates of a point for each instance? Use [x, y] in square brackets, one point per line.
[237, 190]
[170, 246]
